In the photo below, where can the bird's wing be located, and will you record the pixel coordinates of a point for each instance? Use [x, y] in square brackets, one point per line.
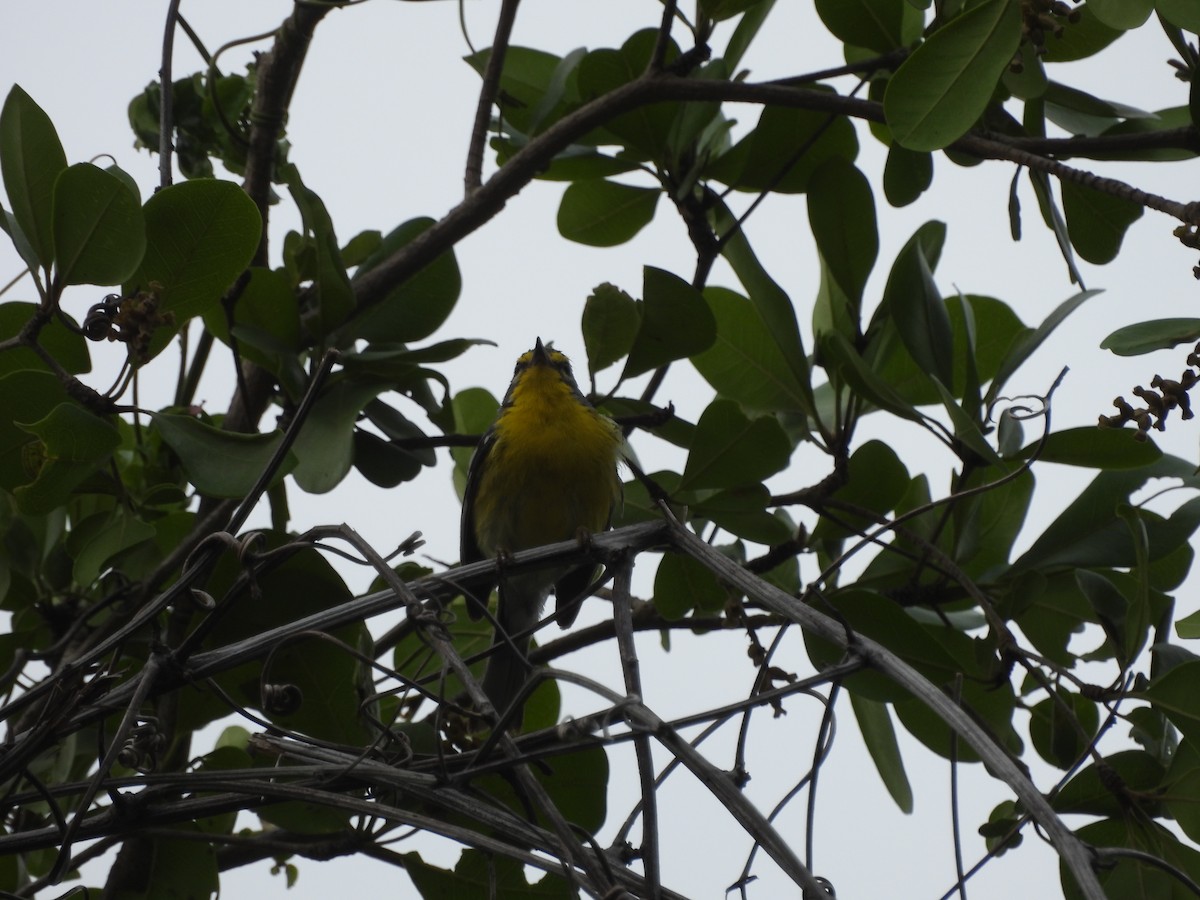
[477, 590]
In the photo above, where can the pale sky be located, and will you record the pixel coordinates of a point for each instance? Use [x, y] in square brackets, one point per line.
[379, 129]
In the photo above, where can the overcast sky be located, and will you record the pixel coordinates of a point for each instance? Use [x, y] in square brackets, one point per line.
[379, 129]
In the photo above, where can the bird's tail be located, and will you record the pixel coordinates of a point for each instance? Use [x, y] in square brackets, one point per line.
[508, 669]
[507, 672]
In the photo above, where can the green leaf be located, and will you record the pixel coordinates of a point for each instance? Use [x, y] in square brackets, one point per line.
[398, 427]
[328, 676]
[730, 450]
[968, 430]
[879, 25]
[1123, 15]
[833, 309]
[325, 446]
[875, 723]
[98, 539]
[25, 396]
[1110, 607]
[576, 163]
[1095, 448]
[646, 130]
[907, 174]
[526, 79]
[746, 31]
[178, 867]
[676, 323]
[416, 307]
[1079, 112]
[1028, 81]
[720, 10]
[937, 93]
[611, 319]
[31, 159]
[841, 213]
[1160, 121]
[916, 307]
[576, 783]
[784, 150]
[602, 213]
[1090, 533]
[99, 230]
[1174, 694]
[360, 247]
[989, 524]
[383, 463]
[876, 480]
[682, 585]
[743, 512]
[220, 463]
[480, 876]
[1089, 792]
[1097, 221]
[996, 327]
[842, 357]
[1081, 39]
[72, 444]
[1183, 14]
[68, 348]
[266, 323]
[772, 302]
[745, 363]
[1188, 627]
[201, 236]
[1048, 206]
[1181, 785]
[20, 242]
[332, 297]
[884, 620]
[1024, 347]
[990, 704]
[1157, 334]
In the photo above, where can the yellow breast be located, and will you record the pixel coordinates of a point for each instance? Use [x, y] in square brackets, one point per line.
[552, 469]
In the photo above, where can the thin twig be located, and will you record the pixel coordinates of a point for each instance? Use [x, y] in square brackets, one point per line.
[166, 104]
[473, 176]
[663, 40]
[623, 624]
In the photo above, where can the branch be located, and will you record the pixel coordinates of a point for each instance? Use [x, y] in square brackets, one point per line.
[623, 625]
[1074, 852]
[166, 121]
[278, 71]
[473, 177]
[372, 286]
[990, 148]
[1103, 145]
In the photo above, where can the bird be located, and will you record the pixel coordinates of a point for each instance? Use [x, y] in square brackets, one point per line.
[545, 471]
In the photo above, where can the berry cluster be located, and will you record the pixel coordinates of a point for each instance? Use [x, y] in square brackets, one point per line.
[1160, 398]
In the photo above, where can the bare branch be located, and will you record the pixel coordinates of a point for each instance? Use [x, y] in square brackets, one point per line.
[473, 176]
[1073, 852]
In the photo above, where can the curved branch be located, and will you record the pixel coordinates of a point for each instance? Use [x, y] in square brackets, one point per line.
[537, 154]
[1074, 852]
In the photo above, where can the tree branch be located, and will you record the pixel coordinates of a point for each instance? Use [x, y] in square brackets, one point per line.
[473, 176]
[524, 165]
[1073, 852]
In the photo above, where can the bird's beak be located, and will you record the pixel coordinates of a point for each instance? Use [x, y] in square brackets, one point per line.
[540, 358]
